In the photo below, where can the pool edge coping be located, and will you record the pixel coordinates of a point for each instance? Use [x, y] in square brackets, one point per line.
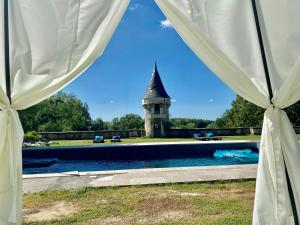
[131, 171]
[142, 144]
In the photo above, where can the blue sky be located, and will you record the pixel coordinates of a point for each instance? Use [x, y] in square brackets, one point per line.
[115, 84]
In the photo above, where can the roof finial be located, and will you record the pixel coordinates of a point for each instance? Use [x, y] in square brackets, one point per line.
[155, 67]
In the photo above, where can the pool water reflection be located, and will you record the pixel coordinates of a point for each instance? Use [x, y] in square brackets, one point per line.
[221, 157]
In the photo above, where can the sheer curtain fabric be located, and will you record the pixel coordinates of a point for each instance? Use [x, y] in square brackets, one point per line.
[223, 34]
[51, 43]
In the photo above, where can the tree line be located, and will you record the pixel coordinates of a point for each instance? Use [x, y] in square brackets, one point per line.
[246, 114]
[65, 112]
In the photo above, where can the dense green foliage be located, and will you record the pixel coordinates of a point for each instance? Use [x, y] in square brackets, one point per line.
[126, 122]
[187, 123]
[99, 124]
[65, 112]
[131, 121]
[62, 112]
[245, 114]
[294, 113]
[33, 136]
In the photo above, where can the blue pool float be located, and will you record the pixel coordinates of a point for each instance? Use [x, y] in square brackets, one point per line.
[242, 154]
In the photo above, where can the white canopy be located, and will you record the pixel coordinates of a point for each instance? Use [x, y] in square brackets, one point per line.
[224, 34]
[51, 43]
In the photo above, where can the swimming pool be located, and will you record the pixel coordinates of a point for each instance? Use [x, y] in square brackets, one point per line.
[120, 157]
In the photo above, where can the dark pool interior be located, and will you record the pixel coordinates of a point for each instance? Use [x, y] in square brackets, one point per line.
[48, 163]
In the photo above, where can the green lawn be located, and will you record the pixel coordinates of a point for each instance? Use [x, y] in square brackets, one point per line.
[124, 141]
[218, 203]
[146, 140]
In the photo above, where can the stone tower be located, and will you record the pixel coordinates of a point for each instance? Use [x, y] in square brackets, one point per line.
[156, 104]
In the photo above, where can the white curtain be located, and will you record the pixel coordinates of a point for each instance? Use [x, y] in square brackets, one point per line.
[51, 43]
[223, 34]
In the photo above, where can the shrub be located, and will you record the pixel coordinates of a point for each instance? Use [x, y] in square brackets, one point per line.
[33, 136]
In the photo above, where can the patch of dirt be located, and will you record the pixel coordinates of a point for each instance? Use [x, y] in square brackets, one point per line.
[172, 215]
[230, 193]
[52, 211]
[152, 206]
[179, 193]
[191, 194]
[112, 220]
[221, 192]
[102, 202]
[153, 210]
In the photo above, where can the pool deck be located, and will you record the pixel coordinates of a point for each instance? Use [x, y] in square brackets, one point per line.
[71, 180]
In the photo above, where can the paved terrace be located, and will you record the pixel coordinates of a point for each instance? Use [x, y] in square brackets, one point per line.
[40, 182]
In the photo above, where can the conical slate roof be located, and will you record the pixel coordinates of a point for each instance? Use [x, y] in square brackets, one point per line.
[156, 88]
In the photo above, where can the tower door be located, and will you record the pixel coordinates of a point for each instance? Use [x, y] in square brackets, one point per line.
[157, 128]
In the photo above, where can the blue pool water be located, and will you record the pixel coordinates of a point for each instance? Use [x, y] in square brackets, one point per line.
[221, 157]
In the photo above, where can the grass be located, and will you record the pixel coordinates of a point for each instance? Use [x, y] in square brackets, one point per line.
[217, 203]
[124, 141]
[146, 140]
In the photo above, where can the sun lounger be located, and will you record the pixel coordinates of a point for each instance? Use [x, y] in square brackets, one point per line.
[98, 139]
[206, 137]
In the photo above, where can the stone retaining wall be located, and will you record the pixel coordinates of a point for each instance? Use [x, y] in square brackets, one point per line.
[85, 135]
[174, 133]
[217, 132]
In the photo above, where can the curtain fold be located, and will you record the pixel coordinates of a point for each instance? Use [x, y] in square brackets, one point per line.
[51, 43]
[10, 167]
[232, 64]
[95, 24]
[272, 200]
[222, 33]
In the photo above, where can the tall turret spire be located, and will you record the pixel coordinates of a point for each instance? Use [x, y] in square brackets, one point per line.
[156, 88]
[155, 67]
[156, 104]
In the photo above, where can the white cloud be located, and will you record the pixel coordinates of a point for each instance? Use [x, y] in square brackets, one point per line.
[166, 24]
[173, 100]
[211, 100]
[134, 7]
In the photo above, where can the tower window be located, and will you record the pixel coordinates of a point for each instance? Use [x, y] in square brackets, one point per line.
[157, 109]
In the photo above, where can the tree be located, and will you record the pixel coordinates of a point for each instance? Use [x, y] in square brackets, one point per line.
[246, 114]
[131, 121]
[219, 123]
[114, 124]
[99, 124]
[187, 123]
[61, 112]
[126, 122]
[294, 113]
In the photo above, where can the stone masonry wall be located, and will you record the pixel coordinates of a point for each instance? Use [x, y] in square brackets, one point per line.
[172, 133]
[85, 135]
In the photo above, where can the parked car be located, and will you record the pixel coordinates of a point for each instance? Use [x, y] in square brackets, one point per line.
[98, 139]
[116, 138]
